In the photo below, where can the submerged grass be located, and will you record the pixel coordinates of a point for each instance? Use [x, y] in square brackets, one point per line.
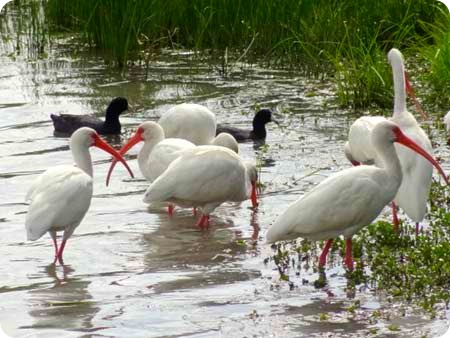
[344, 39]
[404, 267]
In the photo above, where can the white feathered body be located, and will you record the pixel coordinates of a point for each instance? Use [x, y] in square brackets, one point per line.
[413, 193]
[226, 140]
[447, 121]
[340, 205]
[189, 121]
[59, 198]
[204, 177]
[359, 146]
[161, 155]
[412, 196]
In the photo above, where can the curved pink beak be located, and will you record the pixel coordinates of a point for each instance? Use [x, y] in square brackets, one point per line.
[137, 137]
[99, 143]
[406, 141]
[410, 91]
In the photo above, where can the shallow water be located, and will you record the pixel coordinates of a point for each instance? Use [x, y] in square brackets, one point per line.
[132, 271]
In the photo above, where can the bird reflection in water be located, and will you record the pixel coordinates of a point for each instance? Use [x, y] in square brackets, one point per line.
[67, 304]
[64, 270]
[254, 224]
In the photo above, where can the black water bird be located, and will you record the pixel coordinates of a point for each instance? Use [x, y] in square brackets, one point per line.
[258, 132]
[66, 124]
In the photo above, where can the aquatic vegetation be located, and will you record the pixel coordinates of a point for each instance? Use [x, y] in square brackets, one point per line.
[25, 34]
[115, 27]
[407, 268]
[342, 40]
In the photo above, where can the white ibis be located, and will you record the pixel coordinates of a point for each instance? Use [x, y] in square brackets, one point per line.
[447, 121]
[205, 177]
[189, 121]
[258, 132]
[350, 199]
[66, 124]
[226, 140]
[60, 197]
[158, 152]
[413, 193]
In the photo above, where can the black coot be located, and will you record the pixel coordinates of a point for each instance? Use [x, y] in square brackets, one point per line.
[258, 132]
[66, 124]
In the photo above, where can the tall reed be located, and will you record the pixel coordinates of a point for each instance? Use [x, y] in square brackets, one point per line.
[343, 38]
[437, 59]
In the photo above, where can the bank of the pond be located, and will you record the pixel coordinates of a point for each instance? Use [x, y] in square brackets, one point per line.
[346, 40]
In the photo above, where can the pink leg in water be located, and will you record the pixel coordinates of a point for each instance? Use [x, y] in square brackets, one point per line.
[348, 254]
[203, 223]
[55, 244]
[60, 252]
[395, 221]
[323, 255]
[170, 208]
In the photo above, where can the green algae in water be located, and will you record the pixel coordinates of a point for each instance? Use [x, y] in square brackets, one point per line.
[409, 269]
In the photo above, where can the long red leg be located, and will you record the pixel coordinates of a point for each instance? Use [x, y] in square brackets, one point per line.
[348, 254]
[60, 252]
[55, 244]
[395, 221]
[323, 255]
[170, 208]
[206, 221]
[203, 223]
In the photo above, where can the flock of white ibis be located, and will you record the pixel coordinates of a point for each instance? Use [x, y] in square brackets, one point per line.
[188, 165]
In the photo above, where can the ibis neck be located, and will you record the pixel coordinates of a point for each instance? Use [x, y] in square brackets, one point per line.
[144, 154]
[398, 71]
[391, 164]
[251, 175]
[82, 158]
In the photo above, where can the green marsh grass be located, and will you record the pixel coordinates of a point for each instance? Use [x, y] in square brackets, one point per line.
[344, 39]
[437, 57]
[25, 34]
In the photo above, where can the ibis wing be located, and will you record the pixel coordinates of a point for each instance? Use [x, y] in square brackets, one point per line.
[341, 204]
[359, 138]
[164, 153]
[412, 196]
[189, 121]
[59, 197]
[201, 177]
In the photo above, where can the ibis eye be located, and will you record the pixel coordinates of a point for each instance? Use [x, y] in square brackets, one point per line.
[93, 138]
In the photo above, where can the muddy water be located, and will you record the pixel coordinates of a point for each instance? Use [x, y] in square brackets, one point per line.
[134, 272]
